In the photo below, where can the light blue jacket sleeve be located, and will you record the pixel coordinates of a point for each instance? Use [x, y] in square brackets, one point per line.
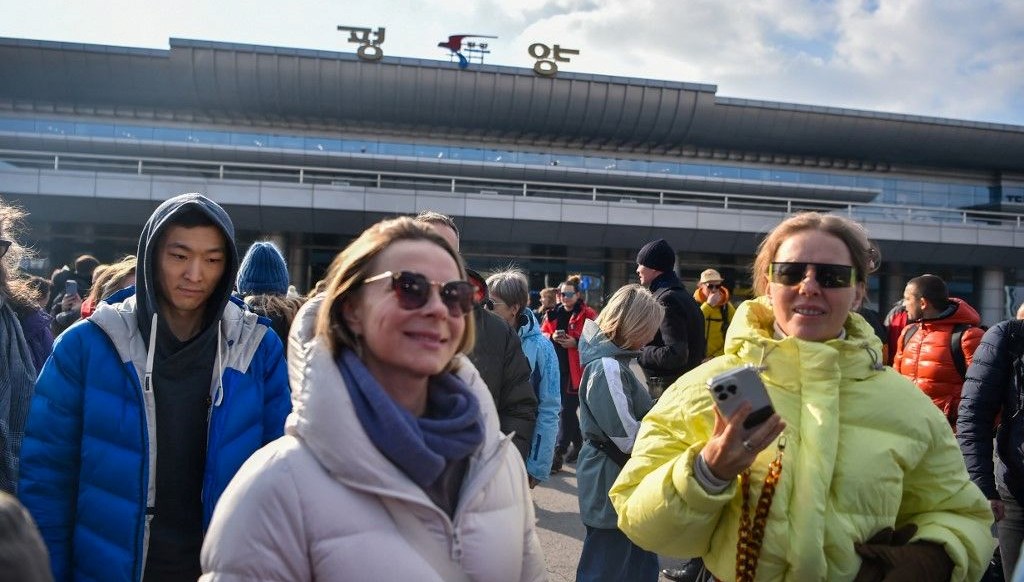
[547, 384]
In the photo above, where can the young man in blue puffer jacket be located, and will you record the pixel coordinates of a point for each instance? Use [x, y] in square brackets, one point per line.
[145, 411]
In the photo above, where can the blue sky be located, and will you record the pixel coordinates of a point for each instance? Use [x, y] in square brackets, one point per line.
[944, 58]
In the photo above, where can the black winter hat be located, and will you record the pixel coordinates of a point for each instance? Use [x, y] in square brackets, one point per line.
[657, 255]
[263, 271]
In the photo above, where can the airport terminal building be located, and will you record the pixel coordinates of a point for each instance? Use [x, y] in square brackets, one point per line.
[556, 173]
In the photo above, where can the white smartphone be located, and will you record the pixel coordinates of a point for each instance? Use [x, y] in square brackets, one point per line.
[732, 388]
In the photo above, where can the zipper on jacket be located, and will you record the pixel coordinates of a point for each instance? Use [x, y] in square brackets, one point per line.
[456, 546]
[210, 405]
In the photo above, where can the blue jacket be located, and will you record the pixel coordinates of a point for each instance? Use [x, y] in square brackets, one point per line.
[995, 387]
[86, 462]
[544, 377]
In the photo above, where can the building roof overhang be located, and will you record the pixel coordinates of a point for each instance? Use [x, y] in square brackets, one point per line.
[338, 91]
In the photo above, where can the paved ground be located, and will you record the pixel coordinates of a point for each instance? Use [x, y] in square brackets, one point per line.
[559, 527]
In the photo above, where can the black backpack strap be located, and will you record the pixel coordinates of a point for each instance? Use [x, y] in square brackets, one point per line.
[725, 318]
[957, 349]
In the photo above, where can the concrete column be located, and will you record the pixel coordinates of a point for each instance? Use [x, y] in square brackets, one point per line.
[892, 289]
[992, 296]
[298, 263]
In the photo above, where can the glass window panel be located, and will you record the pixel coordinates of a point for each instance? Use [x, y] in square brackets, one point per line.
[533, 159]
[211, 137]
[631, 165]
[699, 170]
[287, 142]
[784, 176]
[94, 129]
[23, 125]
[249, 139]
[397, 149]
[170, 134]
[727, 172]
[133, 132]
[838, 180]
[319, 144]
[435, 152]
[57, 127]
[819, 178]
[358, 146]
[754, 174]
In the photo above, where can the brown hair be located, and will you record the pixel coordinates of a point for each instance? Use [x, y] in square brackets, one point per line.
[352, 266]
[573, 281]
[864, 254]
[115, 275]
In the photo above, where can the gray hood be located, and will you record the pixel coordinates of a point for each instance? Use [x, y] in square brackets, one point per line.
[595, 345]
[146, 284]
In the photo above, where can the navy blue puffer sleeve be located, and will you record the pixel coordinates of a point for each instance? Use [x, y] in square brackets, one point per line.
[989, 379]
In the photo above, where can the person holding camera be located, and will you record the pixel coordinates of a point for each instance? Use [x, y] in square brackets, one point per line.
[564, 325]
[835, 484]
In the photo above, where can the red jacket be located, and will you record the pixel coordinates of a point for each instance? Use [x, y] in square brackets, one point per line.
[928, 361]
[575, 329]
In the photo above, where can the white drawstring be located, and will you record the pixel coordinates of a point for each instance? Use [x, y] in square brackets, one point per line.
[150, 353]
[218, 392]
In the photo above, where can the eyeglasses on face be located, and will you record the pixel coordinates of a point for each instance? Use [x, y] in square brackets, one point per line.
[5, 245]
[413, 291]
[827, 275]
[568, 294]
[491, 304]
[713, 285]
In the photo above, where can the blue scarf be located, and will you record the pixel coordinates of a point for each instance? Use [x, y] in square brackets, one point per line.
[421, 447]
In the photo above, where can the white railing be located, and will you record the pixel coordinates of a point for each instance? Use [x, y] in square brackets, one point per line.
[370, 179]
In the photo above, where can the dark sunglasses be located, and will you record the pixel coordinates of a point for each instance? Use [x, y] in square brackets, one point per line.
[5, 245]
[827, 275]
[413, 291]
[568, 294]
[713, 285]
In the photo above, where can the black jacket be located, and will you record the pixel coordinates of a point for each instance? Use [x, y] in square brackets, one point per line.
[498, 355]
[995, 386]
[678, 347]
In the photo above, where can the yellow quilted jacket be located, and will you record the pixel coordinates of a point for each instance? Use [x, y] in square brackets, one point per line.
[865, 449]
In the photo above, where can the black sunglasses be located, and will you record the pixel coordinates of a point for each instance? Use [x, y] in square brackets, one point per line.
[413, 291]
[827, 275]
[5, 245]
[713, 285]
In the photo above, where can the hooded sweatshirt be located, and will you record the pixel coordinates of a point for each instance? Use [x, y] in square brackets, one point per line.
[181, 375]
[133, 435]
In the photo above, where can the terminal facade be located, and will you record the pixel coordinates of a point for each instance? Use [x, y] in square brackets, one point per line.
[559, 174]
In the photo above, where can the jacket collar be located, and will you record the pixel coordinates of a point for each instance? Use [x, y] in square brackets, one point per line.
[751, 337]
[323, 416]
[666, 280]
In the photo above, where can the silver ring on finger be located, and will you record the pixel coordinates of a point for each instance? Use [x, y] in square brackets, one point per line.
[749, 447]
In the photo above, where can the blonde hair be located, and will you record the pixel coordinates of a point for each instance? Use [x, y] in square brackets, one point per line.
[116, 274]
[352, 266]
[864, 254]
[631, 317]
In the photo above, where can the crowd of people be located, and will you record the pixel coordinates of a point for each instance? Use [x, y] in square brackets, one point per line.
[184, 413]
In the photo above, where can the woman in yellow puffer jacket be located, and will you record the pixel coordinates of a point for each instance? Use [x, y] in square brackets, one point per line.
[718, 311]
[865, 452]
